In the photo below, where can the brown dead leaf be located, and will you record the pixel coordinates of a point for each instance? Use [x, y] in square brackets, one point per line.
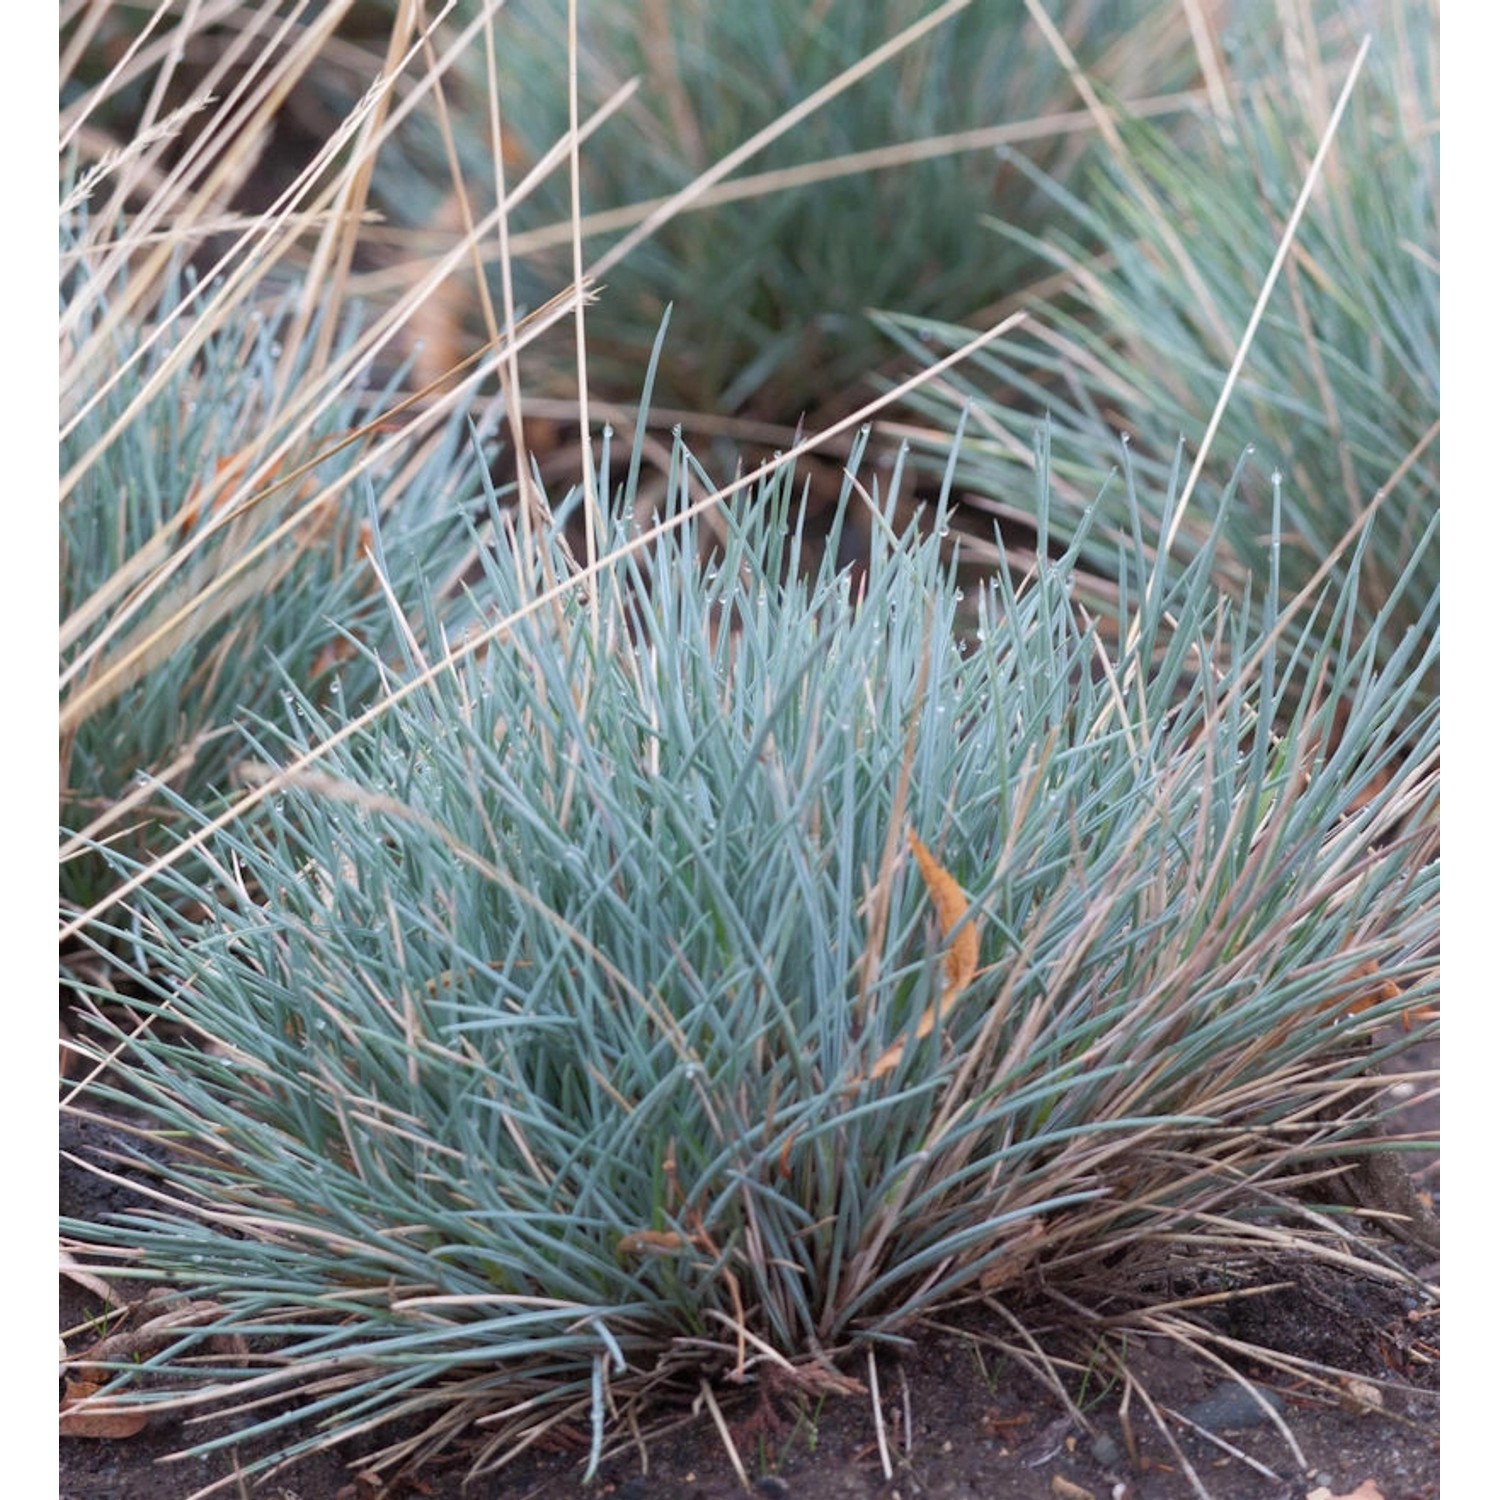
[229, 474]
[1368, 1490]
[1361, 1396]
[1362, 988]
[1381, 992]
[83, 1413]
[70, 1268]
[1065, 1489]
[99, 1420]
[950, 902]
[654, 1242]
[1377, 992]
[1018, 1256]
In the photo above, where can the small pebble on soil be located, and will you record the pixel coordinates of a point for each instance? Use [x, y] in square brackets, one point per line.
[1231, 1406]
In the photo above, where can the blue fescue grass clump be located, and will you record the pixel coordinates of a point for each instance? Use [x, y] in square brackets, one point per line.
[773, 271]
[214, 535]
[1160, 258]
[575, 1027]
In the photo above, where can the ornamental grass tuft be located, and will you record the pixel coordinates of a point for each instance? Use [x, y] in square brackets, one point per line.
[215, 530]
[1159, 260]
[709, 970]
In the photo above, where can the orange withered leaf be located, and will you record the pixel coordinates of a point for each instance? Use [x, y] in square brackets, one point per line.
[229, 471]
[642, 1242]
[1377, 992]
[1382, 991]
[78, 1419]
[950, 902]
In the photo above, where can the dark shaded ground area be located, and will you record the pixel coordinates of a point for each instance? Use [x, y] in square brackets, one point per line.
[959, 1420]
